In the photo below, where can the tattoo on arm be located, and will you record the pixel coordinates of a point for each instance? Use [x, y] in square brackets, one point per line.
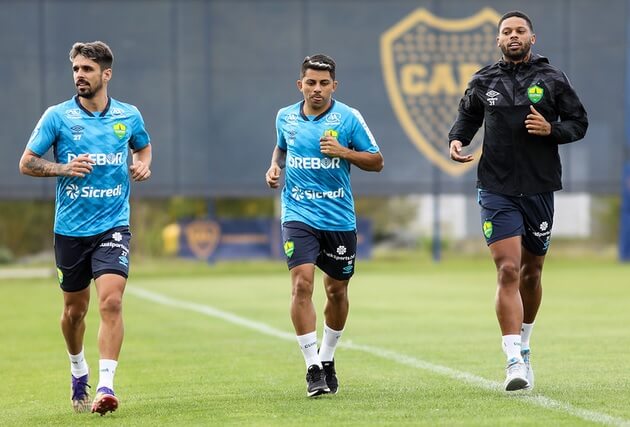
[41, 167]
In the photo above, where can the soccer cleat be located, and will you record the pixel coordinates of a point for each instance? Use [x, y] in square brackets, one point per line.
[105, 401]
[79, 393]
[316, 381]
[526, 354]
[331, 376]
[516, 375]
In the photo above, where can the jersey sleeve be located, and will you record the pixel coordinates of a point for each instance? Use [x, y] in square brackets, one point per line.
[45, 133]
[469, 116]
[140, 137]
[361, 137]
[280, 141]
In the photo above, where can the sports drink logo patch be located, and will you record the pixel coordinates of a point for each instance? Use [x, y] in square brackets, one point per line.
[487, 229]
[427, 63]
[289, 248]
[535, 93]
[120, 130]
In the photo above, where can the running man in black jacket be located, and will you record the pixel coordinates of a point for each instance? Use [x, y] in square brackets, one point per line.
[529, 108]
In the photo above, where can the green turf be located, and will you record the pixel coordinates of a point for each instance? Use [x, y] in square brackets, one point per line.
[180, 367]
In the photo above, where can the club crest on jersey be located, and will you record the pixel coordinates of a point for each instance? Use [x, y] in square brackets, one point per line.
[202, 237]
[427, 62]
[120, 130]
[535, 93]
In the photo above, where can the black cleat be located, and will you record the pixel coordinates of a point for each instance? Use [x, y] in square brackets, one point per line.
[315, 381]
[331, 376]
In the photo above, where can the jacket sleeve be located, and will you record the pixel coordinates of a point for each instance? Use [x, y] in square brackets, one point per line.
[469, 117]
[573, 119]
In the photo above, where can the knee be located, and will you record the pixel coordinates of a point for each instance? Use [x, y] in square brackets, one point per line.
[111, 304]
[508, 273]
[302, 286]
[530, 276]
[75, 313]
[337, 292]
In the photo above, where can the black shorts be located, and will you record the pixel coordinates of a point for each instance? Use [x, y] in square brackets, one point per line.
[79, 259]
[334, 252]
[508, 216]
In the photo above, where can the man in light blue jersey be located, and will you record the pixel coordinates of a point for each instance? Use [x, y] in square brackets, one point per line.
[91, 135]
[318, 139]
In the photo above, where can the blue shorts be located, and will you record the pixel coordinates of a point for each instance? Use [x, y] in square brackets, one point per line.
[334, 252]
[508, 216]
[80, 259]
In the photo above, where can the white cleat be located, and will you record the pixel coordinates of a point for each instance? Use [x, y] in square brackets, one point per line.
[526, 354]
[516, 375]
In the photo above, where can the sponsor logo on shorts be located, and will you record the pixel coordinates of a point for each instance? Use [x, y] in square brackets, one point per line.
[336, 257]
[348, 269]
[59, 275]
[117, 236]
[341, 250]
[123, 260]
[487, 229]
[544, 231]
[289, 248]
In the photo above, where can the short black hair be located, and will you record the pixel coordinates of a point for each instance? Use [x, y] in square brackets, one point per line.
[319, 62]
[97, 51]
[518, 14]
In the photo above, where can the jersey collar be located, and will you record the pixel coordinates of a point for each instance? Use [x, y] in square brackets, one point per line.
[89, 113]
[332, 104]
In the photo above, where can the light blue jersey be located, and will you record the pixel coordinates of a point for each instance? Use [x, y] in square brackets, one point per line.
[317, 188]
[99, 201]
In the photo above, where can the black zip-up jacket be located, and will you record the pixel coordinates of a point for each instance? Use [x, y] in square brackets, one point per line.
[514, 162]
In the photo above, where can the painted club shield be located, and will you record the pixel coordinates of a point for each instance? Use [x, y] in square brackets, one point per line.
[202, 237]
[427, 63]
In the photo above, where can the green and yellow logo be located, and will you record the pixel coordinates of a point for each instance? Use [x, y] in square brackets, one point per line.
[487, 229]
[331, 132]
[59, 275]
[535, 93]
[120, 130]
[427, 63]
[289, 248]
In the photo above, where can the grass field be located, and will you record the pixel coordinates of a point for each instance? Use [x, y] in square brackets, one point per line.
[214, 346]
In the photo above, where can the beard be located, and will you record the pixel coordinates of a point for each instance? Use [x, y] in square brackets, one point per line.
[516, 55]
[89, 92]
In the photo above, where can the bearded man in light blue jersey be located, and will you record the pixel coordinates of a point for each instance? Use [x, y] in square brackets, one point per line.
[318, 139]
[91, 135]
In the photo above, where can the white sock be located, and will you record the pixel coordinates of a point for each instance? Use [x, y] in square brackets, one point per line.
[512, 347]
[308, 345]
[526, 333]
[78, 364]
[329, 343]
[106, 372]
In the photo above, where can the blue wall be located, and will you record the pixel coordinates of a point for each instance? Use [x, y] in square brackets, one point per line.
[209, 77]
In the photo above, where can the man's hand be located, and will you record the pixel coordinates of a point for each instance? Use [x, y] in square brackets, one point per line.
[536, 123]
[329, 146]
[272, 177]
[139, 171]
[78, 167]
[455, 150]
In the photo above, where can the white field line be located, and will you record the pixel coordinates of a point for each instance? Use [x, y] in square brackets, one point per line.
[534, 399]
